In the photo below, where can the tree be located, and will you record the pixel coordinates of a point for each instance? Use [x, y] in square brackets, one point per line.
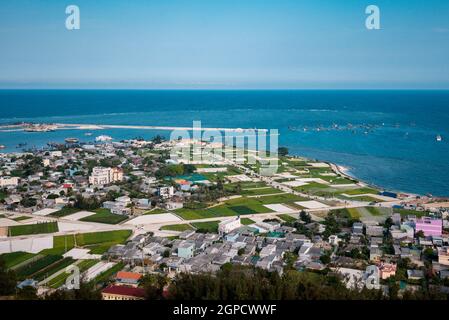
[283, 151]
[153, 285]
[304, 216]
[420, 234]
[7, 280]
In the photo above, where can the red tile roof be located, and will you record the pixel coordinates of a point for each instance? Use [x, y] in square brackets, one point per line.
[125, 291]
[128, 275]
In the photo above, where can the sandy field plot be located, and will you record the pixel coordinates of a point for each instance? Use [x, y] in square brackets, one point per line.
[295, 183]
[98, 269]
[286, 175]
[45, 212]
[317, 180]
[76, 253]
[154, 218]
[4, 222]
[79, 215]
[312, 204]
[33, 245]
[279, 208]
[68, 226]
[319, 164]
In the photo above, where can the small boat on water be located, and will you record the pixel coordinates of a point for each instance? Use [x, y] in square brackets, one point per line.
[71, 140]
[2, 146]
[88, 134]
[439, 138]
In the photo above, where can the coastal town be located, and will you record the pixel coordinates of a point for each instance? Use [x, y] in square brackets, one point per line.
[123, 212]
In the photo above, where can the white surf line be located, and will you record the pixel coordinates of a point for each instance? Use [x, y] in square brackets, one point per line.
[110, 126]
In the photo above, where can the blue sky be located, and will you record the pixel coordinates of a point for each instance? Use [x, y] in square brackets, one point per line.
[224, 44]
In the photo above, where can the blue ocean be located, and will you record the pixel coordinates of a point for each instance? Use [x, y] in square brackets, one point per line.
[386, 138]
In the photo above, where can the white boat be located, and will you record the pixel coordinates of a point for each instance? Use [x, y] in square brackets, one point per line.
[439, 138]
[88, 134]
[103, 138]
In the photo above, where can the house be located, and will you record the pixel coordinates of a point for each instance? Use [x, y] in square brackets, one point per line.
[429, 226]
[357, 228]
[387, 270]
[128, 278]
[375, 253]
[415, 274]
[443, 256]
[172, 205]
[334, 240]
[166, 192]
[9, 181]
[122, 293]
[102, 176]
[185, 249]
[374, 231]
[229, 225]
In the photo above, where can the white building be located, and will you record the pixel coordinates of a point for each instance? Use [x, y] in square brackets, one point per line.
[227, 226]
[8, 181]
[102, 176]
[166, 192]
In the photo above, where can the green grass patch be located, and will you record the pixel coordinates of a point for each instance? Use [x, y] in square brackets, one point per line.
[246, 221]
[34, 267]
[209, 226]
[287, 218]
[177, 227]
[36, 228]
[156, 211]
[353, 213]
[374, 211]
[406, 212]
[21, 218]
[242, 210]
[260, 191]
[360, 191]
[98, 242]
[52, 269]
[60, 279]
[105, 216]
[64, 212]
[14, 258]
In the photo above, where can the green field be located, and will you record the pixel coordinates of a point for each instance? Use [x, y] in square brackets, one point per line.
[209, 226]
[361, 191]
[155, 211]
[238, 206]
[60, 279]
[105, 216]
[246, 221]
[177, 227]
[14, 258]
[64, 212]
[405, 212]
[21, 218]
[37, 228]
[353, 213]
[287, 218]
[53, 268]
[36, 266]
[260, 191]
[98, 242]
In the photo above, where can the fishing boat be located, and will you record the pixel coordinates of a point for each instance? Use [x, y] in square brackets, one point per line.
[71, 140]
[439, 138]
[2, 146]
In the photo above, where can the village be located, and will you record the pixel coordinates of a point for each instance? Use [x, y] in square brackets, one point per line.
[119, 211]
